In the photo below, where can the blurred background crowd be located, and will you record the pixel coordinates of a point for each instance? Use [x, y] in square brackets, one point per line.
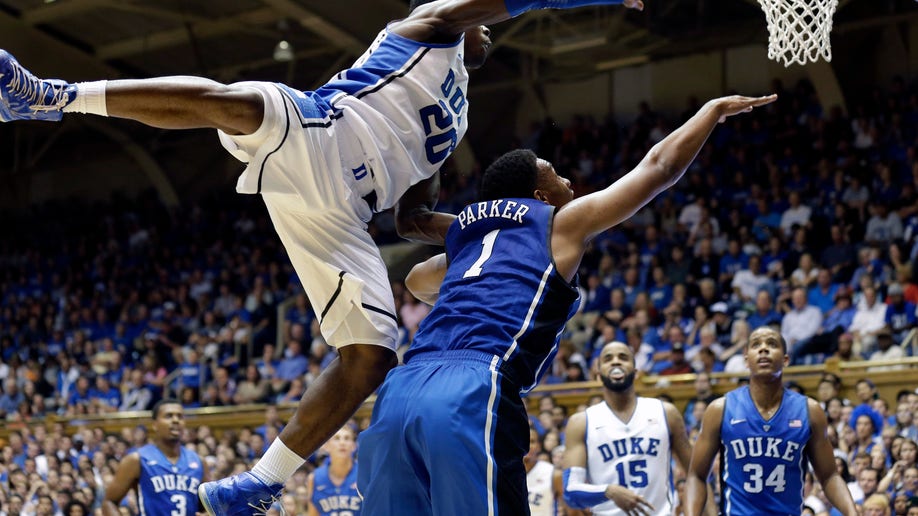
[798, 216]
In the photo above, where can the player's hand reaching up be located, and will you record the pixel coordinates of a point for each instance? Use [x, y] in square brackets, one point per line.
[634, 4]
[631, 503]
[735, 104]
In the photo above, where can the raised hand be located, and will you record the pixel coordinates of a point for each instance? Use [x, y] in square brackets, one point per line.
[735, 104]
[634, 4]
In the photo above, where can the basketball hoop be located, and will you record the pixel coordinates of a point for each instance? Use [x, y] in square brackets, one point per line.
[798, 30]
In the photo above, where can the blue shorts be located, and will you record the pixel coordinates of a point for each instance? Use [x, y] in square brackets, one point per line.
[448, 436]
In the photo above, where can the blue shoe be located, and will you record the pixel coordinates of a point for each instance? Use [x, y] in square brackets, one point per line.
[239, 495]
[26, 97]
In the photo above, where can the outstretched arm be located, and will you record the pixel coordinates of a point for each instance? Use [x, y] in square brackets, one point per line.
[696, 482]
[583, 218]
[819, 452]
[446, 19]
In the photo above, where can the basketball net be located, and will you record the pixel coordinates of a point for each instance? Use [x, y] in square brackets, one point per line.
[798, 30]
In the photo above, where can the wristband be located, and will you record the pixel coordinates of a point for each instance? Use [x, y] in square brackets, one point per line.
[518, 7]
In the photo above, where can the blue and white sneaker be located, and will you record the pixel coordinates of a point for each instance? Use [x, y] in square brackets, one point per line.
[26, 97]
[239, 495]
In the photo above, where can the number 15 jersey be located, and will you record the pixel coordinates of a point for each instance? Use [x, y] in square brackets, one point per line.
[635, 454]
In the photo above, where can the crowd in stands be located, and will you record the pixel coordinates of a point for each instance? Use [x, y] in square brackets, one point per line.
[796, 215]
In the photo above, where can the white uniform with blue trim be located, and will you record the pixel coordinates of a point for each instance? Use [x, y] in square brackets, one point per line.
[325, 160]
[540, 480]
[635, 454]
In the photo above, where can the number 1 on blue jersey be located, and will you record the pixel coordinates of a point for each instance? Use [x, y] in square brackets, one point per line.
[487, 247]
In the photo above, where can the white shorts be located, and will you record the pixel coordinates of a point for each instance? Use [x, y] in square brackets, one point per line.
[316, 204]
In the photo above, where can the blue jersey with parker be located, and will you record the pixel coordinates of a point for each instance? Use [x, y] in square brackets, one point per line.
[167, 488]
[520, 321]
[764, 461]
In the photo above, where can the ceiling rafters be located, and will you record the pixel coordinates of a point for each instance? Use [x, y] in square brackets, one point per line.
[318, 25]
[59, 10]
[180, 35]
[231, 73]
[34, 46]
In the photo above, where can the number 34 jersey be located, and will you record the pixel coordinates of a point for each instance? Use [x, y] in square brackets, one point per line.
[635, 454]
[763, 461]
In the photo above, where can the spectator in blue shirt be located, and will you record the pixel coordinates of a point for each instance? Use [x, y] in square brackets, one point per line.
[836, 322]
[733, 261]
[659, 290]
[596, 295]
[193, 371]
[105, 394]
[267, 364]
[766, 221]
[11, 398]
[822, 294]
[80, 393]
[900, 314]
[272, 419]
[765, 313]
[294, 364]
[301, 312]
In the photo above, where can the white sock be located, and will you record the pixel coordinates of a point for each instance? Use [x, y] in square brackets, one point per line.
[90, 98]
[278, 464]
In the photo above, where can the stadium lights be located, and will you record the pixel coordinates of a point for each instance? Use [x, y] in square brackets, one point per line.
[283, 52]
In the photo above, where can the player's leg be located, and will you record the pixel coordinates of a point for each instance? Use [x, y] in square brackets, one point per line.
[477, 432]
[335, 395]
[328, 403]
[356, 316]
[168, 102]
[393, 477]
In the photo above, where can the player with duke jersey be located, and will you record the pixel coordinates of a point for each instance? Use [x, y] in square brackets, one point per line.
[332, 487]
[503, 293]
[766, 435]
[619, 453]
[543, 481]
[323, 161]
[165, 474]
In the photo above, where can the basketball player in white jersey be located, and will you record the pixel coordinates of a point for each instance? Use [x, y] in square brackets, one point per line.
[372, 138]
[618, 454]
[542, 480]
